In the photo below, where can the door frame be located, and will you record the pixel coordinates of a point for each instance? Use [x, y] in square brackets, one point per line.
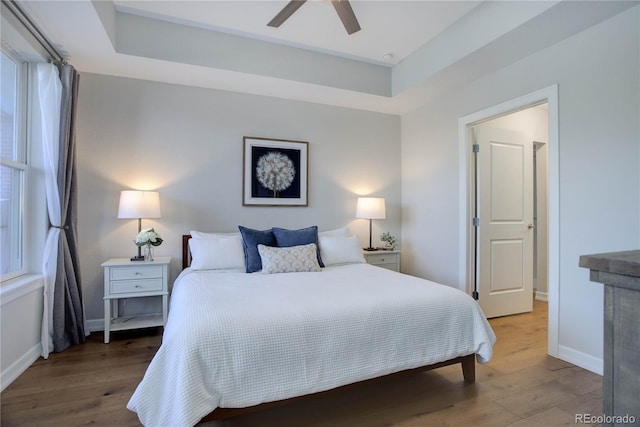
[467, 199]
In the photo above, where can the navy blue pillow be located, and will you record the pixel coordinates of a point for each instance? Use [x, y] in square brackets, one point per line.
[287, 238]
[250, 241]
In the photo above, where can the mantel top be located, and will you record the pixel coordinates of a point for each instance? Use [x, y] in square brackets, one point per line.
[626, 263]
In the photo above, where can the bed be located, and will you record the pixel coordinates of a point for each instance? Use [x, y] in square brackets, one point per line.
[236, 341]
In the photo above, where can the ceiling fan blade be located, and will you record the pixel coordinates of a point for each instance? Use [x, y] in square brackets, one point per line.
[348, 18]
[285, 13]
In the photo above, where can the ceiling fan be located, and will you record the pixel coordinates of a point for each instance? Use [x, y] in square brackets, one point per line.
[342, 7]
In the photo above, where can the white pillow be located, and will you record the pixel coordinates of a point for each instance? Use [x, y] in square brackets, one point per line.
[218, 253]
[301, 258]
[338, 232]
[340, 250]
[203, 235]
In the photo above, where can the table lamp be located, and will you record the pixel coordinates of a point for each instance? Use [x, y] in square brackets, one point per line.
[136, 204]
[370, 208]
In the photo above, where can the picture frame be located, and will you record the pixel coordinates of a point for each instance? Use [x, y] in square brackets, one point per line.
[275, 172]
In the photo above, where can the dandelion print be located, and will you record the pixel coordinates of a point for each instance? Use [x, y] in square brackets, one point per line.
[275, 171]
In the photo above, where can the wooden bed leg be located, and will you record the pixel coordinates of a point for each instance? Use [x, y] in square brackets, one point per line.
[469, 368]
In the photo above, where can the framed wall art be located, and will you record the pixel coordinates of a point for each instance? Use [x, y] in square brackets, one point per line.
[275, 172]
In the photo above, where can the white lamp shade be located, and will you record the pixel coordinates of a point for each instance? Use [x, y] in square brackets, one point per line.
[371, 208]
[139, 204]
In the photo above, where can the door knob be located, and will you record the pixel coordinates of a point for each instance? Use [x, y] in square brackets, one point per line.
[531, 226]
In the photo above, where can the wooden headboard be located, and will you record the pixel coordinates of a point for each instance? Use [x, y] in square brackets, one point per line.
[186, 253]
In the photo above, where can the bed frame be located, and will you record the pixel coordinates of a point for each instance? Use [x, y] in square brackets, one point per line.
[468, 363]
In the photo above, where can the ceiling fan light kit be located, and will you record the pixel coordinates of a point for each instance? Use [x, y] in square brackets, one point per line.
[343, 9]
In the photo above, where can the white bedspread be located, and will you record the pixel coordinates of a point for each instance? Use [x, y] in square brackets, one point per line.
[237, 340]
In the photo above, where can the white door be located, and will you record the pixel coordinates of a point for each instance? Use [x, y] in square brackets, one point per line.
[505, 234]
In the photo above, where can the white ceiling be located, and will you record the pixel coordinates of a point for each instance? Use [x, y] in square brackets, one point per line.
[226, 45]
[396, 27]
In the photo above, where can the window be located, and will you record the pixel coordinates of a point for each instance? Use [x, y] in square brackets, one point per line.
[13, 166]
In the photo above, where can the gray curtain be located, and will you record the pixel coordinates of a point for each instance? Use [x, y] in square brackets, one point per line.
[68, 310]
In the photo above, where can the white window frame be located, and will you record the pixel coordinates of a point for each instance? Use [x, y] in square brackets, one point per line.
[22, 164]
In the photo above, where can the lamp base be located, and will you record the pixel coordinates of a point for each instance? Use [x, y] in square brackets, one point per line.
[369, 249]
[138, 257]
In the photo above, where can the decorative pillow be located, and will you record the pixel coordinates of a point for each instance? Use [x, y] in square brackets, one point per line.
[287, 238]
[202, 235]
[338, 232]
[289, 260]
[250, 241]
[340, 250]
[213, 254]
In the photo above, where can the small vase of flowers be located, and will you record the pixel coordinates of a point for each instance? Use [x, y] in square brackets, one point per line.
[148, 238]
[389, 239]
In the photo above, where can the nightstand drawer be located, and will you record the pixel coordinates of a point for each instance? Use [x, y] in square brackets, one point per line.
[380, 259]
[135, 273]
[141, 285]
[385, 259]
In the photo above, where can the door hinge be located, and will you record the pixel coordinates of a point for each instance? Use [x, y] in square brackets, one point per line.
[476, 148]
[476, 222]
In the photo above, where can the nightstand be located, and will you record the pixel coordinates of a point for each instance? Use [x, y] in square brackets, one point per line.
[385, 259]
[134, 279]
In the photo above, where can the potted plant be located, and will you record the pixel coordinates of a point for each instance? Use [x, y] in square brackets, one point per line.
[389, 239]
[148, 238]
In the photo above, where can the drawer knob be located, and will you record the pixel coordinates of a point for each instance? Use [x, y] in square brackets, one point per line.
[382, 259]
[138, 273]
[137, 286]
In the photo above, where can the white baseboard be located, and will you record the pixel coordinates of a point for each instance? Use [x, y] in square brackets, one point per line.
[12, 372]
[95, 325]
[578, 358]
[542, 296]
[19, 366]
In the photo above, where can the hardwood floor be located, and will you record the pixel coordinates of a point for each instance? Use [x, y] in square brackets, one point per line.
[521, 386]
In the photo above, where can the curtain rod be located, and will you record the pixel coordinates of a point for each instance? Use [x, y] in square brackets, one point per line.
[33, 29]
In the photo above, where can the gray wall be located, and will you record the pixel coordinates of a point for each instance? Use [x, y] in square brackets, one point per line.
[187, 143]
[598, 75]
